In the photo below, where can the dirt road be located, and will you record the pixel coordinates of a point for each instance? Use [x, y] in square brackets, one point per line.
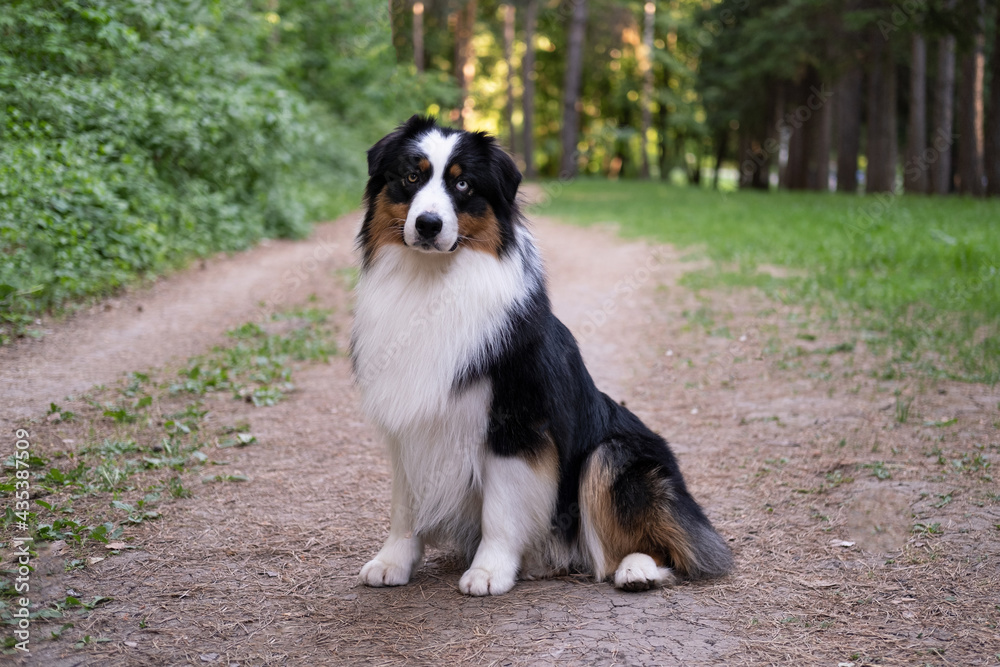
[778, 422]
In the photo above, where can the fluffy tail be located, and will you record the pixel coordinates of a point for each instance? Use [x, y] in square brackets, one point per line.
[634, 503]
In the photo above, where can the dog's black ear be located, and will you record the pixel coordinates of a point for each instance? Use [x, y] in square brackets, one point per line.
[510, 175]
[386, 146]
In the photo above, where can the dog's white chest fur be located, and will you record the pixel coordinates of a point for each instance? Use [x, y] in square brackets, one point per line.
[419, 321]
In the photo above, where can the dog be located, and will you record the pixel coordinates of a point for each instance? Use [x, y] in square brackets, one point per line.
[499, 441]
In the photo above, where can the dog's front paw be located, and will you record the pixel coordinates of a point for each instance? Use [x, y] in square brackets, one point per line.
[477, 581]
[377, 572]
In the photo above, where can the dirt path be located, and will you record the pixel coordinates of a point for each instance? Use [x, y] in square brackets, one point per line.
[761, 413]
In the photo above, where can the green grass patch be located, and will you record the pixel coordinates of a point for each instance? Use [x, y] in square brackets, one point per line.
[125, 451]
[921, 275]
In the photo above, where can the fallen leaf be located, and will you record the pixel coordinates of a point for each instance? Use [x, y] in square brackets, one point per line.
[841, 543]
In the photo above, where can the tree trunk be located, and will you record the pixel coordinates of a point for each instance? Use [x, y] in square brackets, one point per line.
[662, 118]
[646, 65]
[970, 121]
[663, 115]
[818, 130]
[571, 90]
[848, 100]
[418, 35]
[721, 139]
[942, 136]
[992, 130]
[528, 97]
[882, 142]
[915, 170]
[508, 56]
[464, 68]
[794, 176]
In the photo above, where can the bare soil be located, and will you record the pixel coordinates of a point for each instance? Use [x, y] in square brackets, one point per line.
[859, 537]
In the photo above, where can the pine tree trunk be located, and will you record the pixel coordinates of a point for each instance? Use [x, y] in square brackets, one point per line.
[818, 131]
[508, 56]
[882, 142]
[992, 130]
[418, 35]
[915, 179]
[646, 63]
[571, 90]
[721, 139]
[848, 101]
[464, 29]
[795, 174]
[528, 97]
[662, 118]
[970, 121]
[942, 132]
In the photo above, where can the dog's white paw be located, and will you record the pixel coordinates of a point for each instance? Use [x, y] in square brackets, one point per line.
[377, 572]
[477, 581]
[639, 572]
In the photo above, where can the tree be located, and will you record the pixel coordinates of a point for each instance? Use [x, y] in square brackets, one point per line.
[970, 115]
[914, 173]
[465, 24]
[882, 141]
[944, 92]
[848, 102]
[418, 35]
[508, 56]
[992, 130]
[528, 97]
[571, 89]
[646, 69]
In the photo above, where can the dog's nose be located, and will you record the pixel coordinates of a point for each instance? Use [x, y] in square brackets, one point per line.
[428, 225]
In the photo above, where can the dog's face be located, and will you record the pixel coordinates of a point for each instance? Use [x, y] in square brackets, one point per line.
[438, 190]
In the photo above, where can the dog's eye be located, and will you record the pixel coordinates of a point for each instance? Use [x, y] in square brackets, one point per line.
[462, 186]
[412, 177]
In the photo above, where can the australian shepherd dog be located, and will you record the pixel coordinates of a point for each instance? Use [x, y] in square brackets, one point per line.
[500, 443]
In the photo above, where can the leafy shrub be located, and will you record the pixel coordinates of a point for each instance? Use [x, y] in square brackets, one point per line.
[137, 133]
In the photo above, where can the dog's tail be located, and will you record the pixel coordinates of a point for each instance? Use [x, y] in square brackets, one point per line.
[632, 502]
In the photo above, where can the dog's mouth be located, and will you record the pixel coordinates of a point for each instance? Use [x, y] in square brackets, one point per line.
[428, 246]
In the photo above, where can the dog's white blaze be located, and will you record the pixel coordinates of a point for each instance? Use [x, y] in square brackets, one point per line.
[420, 319]
[433, 198]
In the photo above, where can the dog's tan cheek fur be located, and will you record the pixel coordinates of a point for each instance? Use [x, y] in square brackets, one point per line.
[386, 227]
[480, 232]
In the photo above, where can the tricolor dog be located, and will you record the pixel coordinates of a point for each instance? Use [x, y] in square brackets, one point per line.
[500, 443]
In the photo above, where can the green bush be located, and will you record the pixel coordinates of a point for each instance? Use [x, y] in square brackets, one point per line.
[135, 134]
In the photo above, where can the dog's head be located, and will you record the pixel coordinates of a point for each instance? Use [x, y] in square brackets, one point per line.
[438, 190]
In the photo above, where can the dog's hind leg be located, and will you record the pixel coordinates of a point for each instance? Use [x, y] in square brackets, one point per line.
[638, 520]
[518, 499]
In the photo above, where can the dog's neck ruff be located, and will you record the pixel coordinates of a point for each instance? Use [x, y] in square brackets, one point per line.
[420, 320]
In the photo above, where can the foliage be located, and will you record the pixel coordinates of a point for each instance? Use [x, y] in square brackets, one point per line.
[136, 133]
[921, 275]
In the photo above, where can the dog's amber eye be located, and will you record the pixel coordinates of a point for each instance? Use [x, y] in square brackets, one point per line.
[462, 186]
[412, 177]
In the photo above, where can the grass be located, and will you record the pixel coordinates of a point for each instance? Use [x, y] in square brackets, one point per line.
[921, 275]
[131, 448]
